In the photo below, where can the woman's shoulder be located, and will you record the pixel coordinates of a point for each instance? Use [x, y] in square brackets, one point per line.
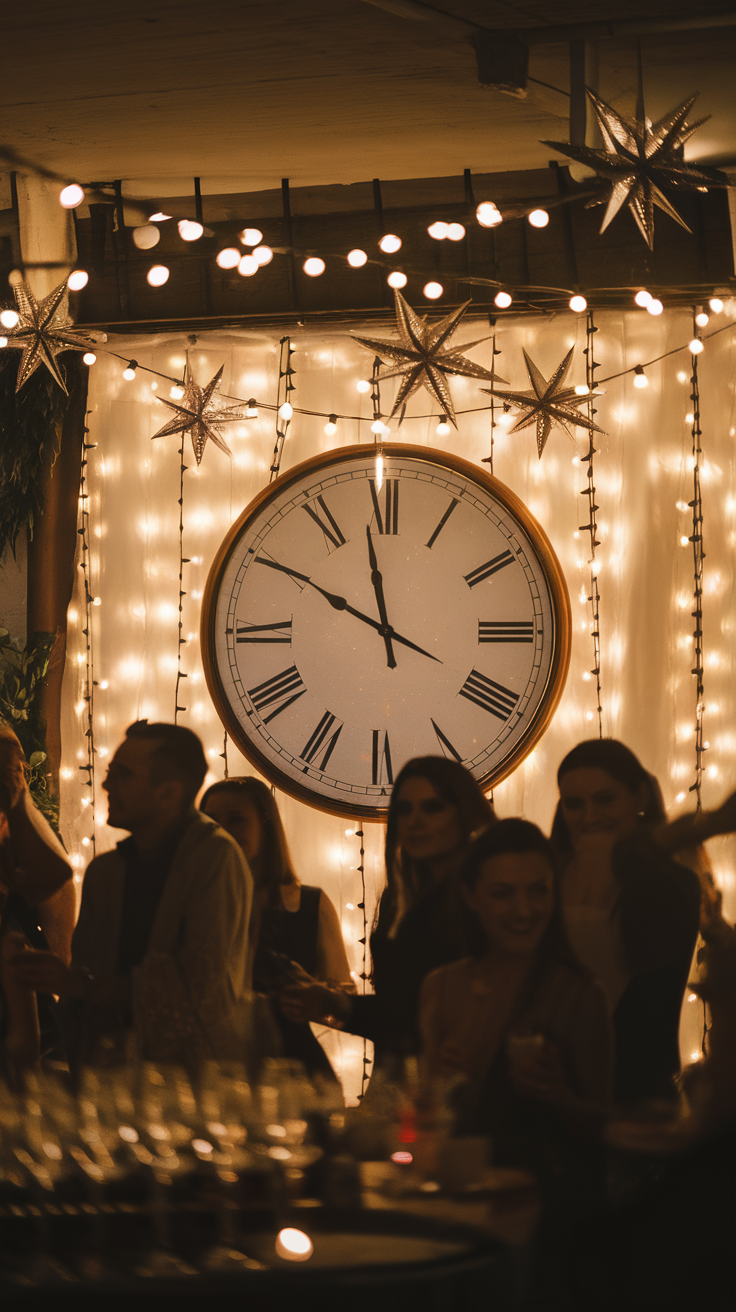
[453, 975]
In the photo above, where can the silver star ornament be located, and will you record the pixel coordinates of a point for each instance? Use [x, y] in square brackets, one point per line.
[199, 416]
[421, 357]
[44, 330]
[546, 403]
[639, 158]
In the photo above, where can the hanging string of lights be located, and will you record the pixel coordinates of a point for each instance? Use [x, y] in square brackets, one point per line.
[87, 702]
[698, 559]
[183, 560]
[591, 364]
[284, 408]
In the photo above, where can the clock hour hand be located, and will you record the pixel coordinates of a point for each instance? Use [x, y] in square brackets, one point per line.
[377, 581]
[340, 603]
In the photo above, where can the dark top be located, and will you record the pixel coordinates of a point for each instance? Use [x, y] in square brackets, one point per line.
[660, 912]
[292, 934]
[435, 931]
[144, 882]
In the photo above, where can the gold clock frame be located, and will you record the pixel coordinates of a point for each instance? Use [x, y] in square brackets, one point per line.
[559, 596]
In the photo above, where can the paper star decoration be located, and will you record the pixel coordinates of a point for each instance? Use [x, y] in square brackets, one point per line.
[639, 159]
[44, 330]
[198, 416]
[421, 357]
[546, 403]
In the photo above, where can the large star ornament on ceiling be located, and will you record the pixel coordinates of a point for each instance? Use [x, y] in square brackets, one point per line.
[44, 330]
[639, 159]
[546, 403]
[198, 416]
[421, 357]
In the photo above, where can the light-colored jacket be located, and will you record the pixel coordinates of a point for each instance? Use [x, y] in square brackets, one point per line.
[191, 999]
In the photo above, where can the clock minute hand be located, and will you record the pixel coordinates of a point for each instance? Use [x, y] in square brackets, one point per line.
[377, 581]
[340, 603]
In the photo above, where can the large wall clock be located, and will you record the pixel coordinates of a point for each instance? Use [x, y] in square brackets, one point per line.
[347, 626]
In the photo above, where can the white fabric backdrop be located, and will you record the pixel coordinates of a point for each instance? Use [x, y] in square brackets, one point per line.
[643, 476]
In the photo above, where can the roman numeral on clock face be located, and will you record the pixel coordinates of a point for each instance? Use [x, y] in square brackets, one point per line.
[386, 505]
[326, 521]
[446, 746]
[489, 695]
[279, 632]
[382, 771]
[321, 745]
[491, 567]
[505, 631]
[442, 522]
[281, 691]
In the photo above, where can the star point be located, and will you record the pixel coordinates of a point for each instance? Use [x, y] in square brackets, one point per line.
[45, 329]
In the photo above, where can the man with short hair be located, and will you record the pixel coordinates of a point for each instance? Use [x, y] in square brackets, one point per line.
[161, 948]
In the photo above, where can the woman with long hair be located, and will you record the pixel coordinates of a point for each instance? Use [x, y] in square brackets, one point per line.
[630, 909]
[520, 1021]
[295, 929]
[421, 922]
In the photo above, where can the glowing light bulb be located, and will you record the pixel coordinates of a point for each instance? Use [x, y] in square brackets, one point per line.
[581, 389]
[684, 541]
[77, 280]
[689, 419]
[157, 275]
[104, 684]
[251, 236]
[539, 218]
[397, 279]
[379, 473]
[263, 254]
[695, 347]
[654, 307]
[455, 231]
[159, 217]
[643, 298]
[390, 243]
[293, 1245]
[488, 214]
[377, 426]
[702, 319]
[502, 300]
[189, 229]
[286, 410]
[229, 258]
[331, 425]
[640, 378]
[97, 601]
[443, 428]
[402, 1158]
[433, 290]
[176, 392]
[716, 304]
[9, 318]
[89, 357]
[146, 237]
[3, 342]
[314, 266]
[129, 373]
[578, 304]
[363, 385]
[247, 266]
[71, 196]
[438, 230]
[154, 386]
[357, 258]
[252, 408]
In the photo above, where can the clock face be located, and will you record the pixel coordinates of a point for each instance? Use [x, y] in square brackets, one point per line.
[349, 626]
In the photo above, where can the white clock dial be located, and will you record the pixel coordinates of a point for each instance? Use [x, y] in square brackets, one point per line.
[348, 628]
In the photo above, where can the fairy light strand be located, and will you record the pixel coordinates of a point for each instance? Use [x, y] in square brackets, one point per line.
[696, 506]
[488, 460]
[89, 679]
[364, 943]
[283, 397]
[594, 598]
[183, 560]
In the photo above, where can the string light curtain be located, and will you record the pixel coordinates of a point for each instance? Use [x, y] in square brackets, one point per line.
[643, 479]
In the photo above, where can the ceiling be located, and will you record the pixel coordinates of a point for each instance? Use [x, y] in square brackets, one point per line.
[327, 91]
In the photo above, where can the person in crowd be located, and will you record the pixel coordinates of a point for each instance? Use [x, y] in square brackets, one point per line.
[630, 909]
[294, 926]
[521, 1022]
[42, 900]
[161, 950]
[421, 922]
